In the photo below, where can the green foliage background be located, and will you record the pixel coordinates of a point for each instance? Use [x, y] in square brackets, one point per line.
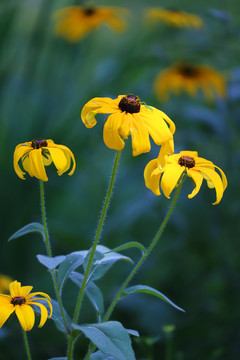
[45, 81]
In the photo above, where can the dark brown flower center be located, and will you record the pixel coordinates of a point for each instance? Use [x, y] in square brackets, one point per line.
[186, 161]
[188, 71]
[88, 11]
[37, 144]
[130, 103]
[18, 300]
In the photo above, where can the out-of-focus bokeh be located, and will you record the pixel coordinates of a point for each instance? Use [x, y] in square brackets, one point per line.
[45, 81]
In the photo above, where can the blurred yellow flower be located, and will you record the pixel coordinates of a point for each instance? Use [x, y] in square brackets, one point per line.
[20, 301]
[4, 282]
[36, 154]
[174, 17]
[75, 22]
[129, 117]
[190, 78]
[174, 165]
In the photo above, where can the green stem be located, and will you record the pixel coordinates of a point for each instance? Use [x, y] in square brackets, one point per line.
[49, 252]
[97, 236]
[26, 345]
[142, 259]
[70, 348]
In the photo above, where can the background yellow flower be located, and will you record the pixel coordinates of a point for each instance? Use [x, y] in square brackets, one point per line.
[4, 282]
[174, 17]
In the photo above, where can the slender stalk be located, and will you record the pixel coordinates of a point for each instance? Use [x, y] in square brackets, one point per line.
[70, 348]
[97, 236]
[26, 345]
[49, 252]
[142, 259]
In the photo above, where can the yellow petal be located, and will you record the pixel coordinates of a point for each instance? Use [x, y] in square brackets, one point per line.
[59, 159]
[215, 179]
[15, 289]
[25, 316]
[36, 164]
[170, 178]
[69, 156]
[152, 176]
[25, 290]
[18, 153]
[111, 135]
[6, 310]
[96, 106]
[140, 136]
[197, 178]
[44, 314]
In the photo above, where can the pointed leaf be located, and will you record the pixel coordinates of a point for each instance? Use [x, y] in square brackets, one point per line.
[33, 227]
[57, 317]
[148, 290]
[92, 291]
[101, 356]
[110, 338]
[51, 262]
[71, 263]
[129, 245]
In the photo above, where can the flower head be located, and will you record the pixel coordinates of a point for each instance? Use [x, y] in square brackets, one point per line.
[171, 170]
[22, 302]
[129, 116]
[75, 22]
[190, 78]
[36, 154]
[4, 282]
[174, 17]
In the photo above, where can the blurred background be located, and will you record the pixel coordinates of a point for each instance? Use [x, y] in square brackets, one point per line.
[45, 81]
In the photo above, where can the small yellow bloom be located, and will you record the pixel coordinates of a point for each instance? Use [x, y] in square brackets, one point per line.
[75, 22]
[190, 78]
[20, 301]
[174, 165]
[129, 117]
[4, 282]
[174, 18]
[36, 154]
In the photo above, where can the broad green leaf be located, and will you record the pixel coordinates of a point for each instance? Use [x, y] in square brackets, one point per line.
[51, 262]
[92, 291]
[148, 290]
[129, 245]
[57, 317]
[71, 263]
[110, 338]
[30, 228]
[101, 356]
[105, 261]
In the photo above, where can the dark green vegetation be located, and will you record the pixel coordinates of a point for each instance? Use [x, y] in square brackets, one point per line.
[44, 84]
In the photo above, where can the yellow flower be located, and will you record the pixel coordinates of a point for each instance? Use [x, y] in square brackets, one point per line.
[37, 154]
[20, 300]
[75, 22]
[129, 117]
[174, 17]
[174, 165]
[4, 282]
[190, 78]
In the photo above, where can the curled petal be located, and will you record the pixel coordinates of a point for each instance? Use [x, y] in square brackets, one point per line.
[214, 180]
[197, 178]
[152, 175]
[59, 159]
[171, 175]
[44, 314]
[25, 316]
[111, 135]
[18, 154]
[97, 106]
[36, 164]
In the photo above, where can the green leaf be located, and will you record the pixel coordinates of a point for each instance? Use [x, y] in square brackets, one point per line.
[58, 358]
[148, 290]
[133, 332]
[110, 338]
[92, 291]
[51, 262]
[105, 259]
[101, 356]
[30, 228]
[57, 317]
[71, 263]
[129, 245]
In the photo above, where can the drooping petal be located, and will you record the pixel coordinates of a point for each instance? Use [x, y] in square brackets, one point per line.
[44, 313]
[140, 136]
[69, 156]
[18, 153]
[152, 176]
[59, 159]
[111, 135]
[25, 316]
[170, 178]
[197, 178]
[97, 106]
[6, 310]
[36, 164]
[215, 179]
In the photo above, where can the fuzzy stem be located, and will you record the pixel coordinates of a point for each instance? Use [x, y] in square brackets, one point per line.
[26, 345]
[49, 252]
